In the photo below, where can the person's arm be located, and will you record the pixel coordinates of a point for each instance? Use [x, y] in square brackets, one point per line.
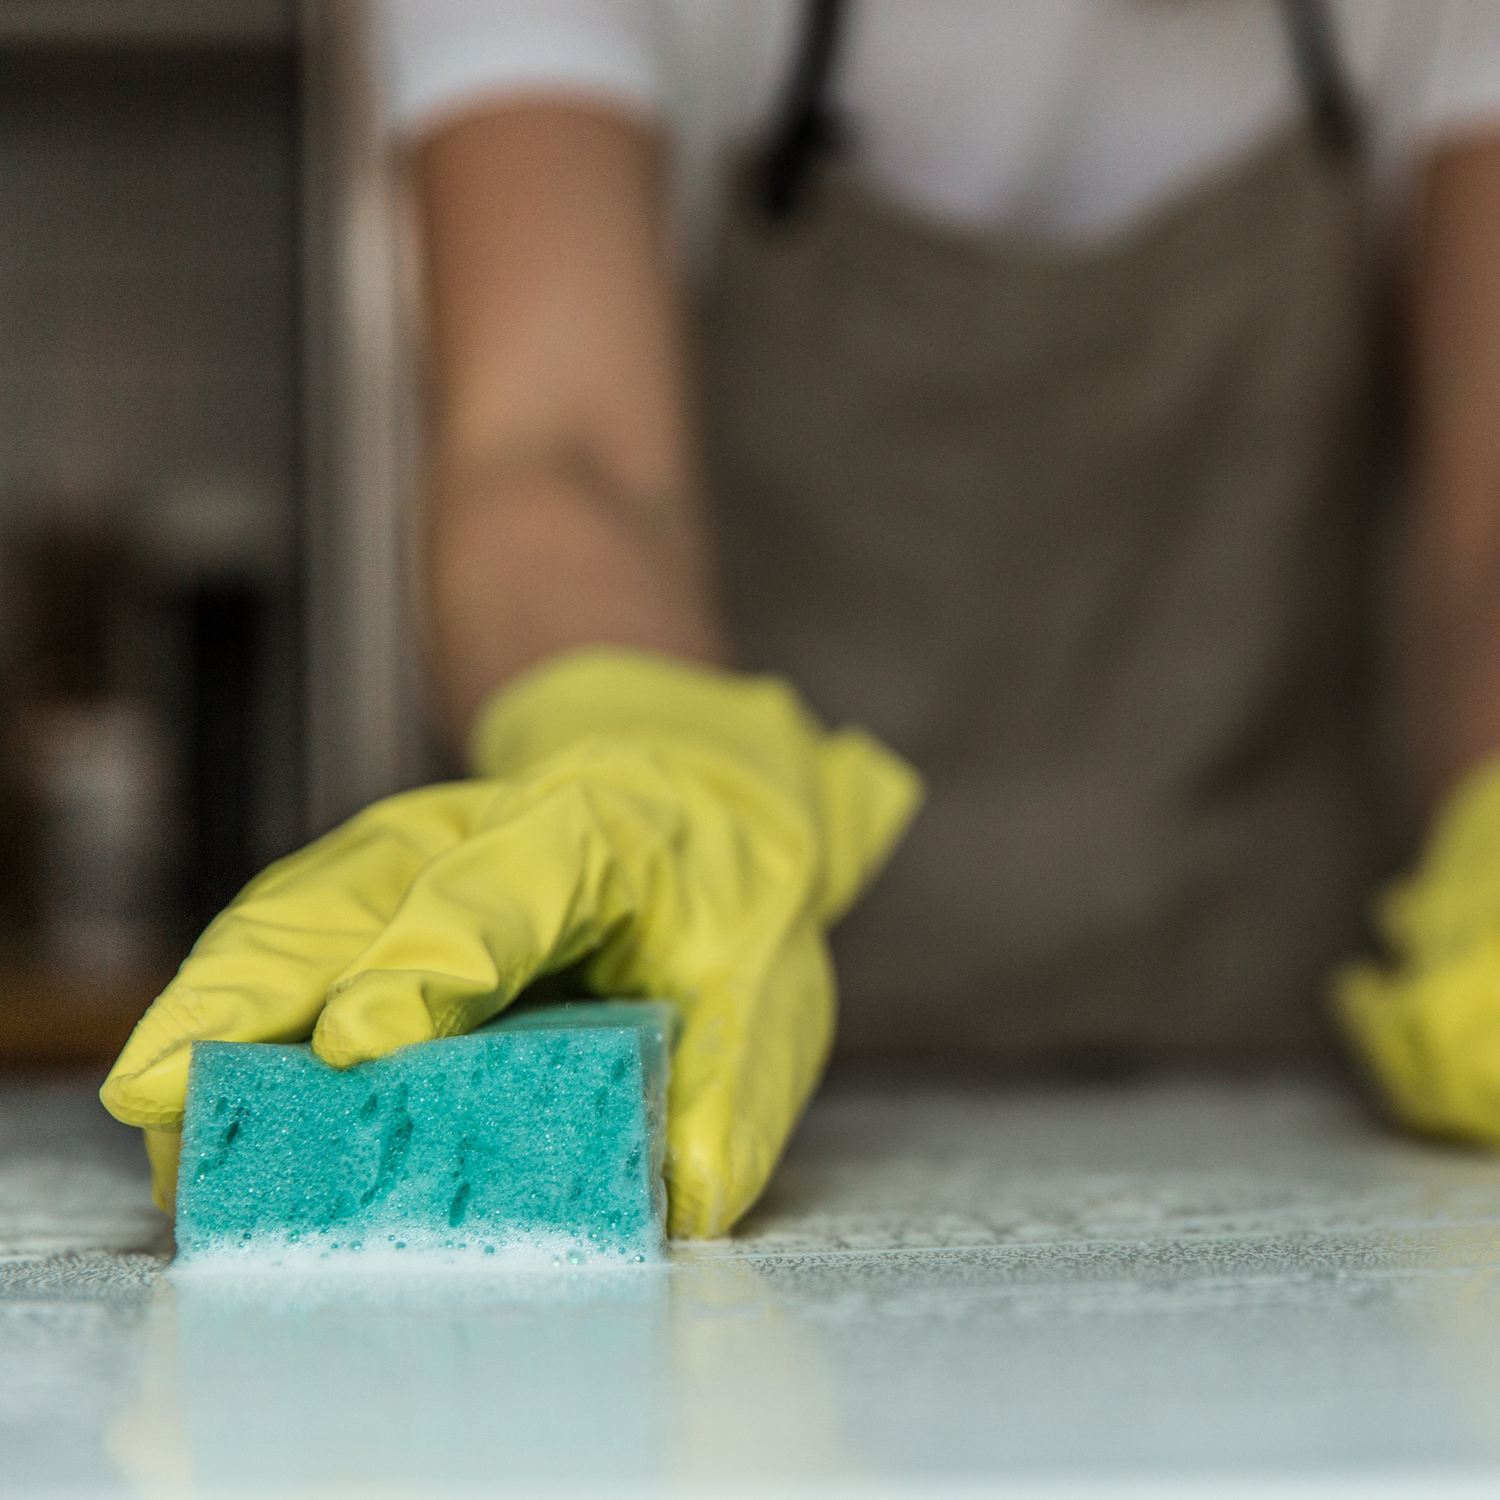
[561, 493]
[1456, 397]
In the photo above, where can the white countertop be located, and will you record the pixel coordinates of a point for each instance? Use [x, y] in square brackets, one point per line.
[1164, 1290]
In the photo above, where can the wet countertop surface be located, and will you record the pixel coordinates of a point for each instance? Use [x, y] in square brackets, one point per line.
[1163, 1289]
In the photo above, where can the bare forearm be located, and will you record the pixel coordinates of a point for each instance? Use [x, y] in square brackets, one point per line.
[1456, 655]
[561, 502]
[525, 564]
[1456, 534]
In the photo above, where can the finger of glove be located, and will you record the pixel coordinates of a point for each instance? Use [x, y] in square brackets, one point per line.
[870, 796]
[261, 970]
[163, 1150]
[554, 873]
[1431, 1037]
[749, 1055]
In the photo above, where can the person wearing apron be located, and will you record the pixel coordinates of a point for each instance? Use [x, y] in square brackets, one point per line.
[1088, 536]
[1079, 535]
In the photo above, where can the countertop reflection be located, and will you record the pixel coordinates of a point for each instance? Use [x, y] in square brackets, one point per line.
[1106, 1288]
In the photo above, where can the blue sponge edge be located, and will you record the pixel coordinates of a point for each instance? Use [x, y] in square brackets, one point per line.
[537, 1139]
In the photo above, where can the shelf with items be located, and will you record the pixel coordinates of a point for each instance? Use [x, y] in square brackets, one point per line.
[147, 23]
[53, 1019]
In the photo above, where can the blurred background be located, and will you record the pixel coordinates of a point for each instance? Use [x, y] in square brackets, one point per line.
[204, 658]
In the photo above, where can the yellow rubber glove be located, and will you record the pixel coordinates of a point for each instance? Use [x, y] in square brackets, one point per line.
[686, 833]
[1428, 1025]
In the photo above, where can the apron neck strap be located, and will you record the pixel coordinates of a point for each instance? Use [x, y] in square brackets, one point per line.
[807, 125]
[1311, 32]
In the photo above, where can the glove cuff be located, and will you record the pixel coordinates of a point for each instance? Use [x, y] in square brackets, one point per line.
[859, 795]
[622, 692]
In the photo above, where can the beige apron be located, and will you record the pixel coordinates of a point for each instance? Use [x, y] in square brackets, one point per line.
[1080, 534]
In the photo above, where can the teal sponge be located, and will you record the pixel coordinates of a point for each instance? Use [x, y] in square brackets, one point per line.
[541, 1132]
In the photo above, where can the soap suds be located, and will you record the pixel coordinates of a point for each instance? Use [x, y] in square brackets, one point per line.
[415, 1251]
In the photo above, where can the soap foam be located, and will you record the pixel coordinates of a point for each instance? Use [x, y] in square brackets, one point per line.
[409, 1251]
[518, 1276]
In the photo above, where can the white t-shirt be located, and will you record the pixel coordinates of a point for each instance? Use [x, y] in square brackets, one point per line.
[1063, 120]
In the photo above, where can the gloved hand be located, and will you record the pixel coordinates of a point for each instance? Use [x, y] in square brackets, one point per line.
[687, 834]
[1428, 1025]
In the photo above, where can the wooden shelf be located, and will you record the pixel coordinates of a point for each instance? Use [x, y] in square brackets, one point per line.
[147, 23]
[52, 1020]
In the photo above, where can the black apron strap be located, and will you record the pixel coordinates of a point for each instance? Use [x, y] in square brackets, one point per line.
[1310, 30]
[807, 125]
